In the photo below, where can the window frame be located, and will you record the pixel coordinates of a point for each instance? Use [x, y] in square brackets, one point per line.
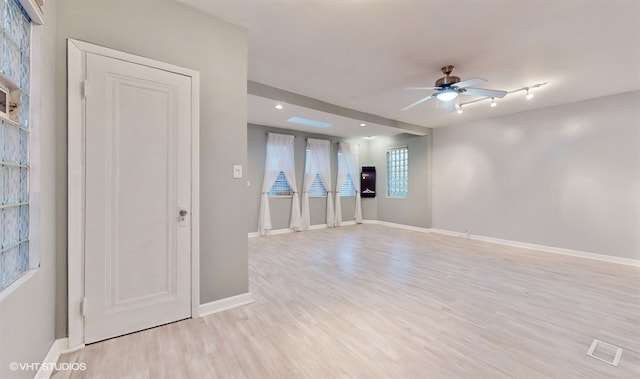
[33, 149]
[5, 100]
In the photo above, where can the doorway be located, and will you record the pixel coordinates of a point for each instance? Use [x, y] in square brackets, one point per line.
[133, 126]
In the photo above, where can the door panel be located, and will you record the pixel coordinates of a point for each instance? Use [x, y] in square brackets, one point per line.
[137, 250]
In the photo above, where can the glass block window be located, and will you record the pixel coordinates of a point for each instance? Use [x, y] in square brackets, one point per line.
[15, 46]
[281, 186]
[348, 189]
[398, 172]
[317, 188]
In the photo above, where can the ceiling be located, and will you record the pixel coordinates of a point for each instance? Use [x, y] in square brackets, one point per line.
[360, 54]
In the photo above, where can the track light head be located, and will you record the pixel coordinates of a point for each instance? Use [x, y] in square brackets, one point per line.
[529, 94]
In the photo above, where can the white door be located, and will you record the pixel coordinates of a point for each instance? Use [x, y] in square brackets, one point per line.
[137, 182]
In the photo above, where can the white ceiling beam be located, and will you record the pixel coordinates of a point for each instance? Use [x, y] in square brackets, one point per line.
[277, 94]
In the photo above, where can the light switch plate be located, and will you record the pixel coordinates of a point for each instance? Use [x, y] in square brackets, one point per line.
[237, 171]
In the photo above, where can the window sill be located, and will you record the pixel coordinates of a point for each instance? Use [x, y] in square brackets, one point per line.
[15, 285]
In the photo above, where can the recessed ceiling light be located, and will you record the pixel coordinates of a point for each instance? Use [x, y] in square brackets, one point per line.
[308, 122]
[370, 137]
[278, 106]
[363, 124]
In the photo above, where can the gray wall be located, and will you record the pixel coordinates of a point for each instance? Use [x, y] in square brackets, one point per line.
[174, 33]
[281, 207]
[566, 176]
[27, 316]
[415, 210]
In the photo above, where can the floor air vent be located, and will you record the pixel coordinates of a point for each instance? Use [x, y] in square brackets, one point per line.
[605, 352]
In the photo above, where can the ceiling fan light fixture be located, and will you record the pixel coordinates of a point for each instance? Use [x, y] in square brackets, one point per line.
[493, 102]
[447, 95]
[459, 108]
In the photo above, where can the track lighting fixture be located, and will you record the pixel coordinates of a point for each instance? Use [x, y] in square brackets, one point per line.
[529, 94]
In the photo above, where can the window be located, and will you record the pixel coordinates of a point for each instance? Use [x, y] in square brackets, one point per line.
[348, 180]
[15, 39]
[278, 166]
[317, 180]
[317, 188]
[398, 172]
[348, 189]
[280, 186]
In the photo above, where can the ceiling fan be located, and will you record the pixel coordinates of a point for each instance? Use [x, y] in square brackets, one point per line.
[449, 87]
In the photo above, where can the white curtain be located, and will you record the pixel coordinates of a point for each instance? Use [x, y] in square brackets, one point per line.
[280, 157]
[318, 161]
[348, 165]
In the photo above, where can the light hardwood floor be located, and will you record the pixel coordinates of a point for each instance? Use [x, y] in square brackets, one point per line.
[370, 301]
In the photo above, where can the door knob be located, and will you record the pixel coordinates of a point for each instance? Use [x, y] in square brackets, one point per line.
[183, 212]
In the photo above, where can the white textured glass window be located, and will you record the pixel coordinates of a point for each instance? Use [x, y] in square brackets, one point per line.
[15, 46]
[317, 188]
[348, 188]
[398, 172]
[281, 186]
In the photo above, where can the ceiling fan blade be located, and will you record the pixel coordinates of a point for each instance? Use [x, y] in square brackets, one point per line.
[449, 106]
[431, 88]
[417, 102]
[469, 82]
[485, 92]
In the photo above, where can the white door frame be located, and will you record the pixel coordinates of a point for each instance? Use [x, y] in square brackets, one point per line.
[76, 52]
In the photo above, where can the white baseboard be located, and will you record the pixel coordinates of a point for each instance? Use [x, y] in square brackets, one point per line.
[401, 226]
[224, 304]
[289, 230]
[58, 347]
[546, 249]
[450, 233]
[272, 232]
